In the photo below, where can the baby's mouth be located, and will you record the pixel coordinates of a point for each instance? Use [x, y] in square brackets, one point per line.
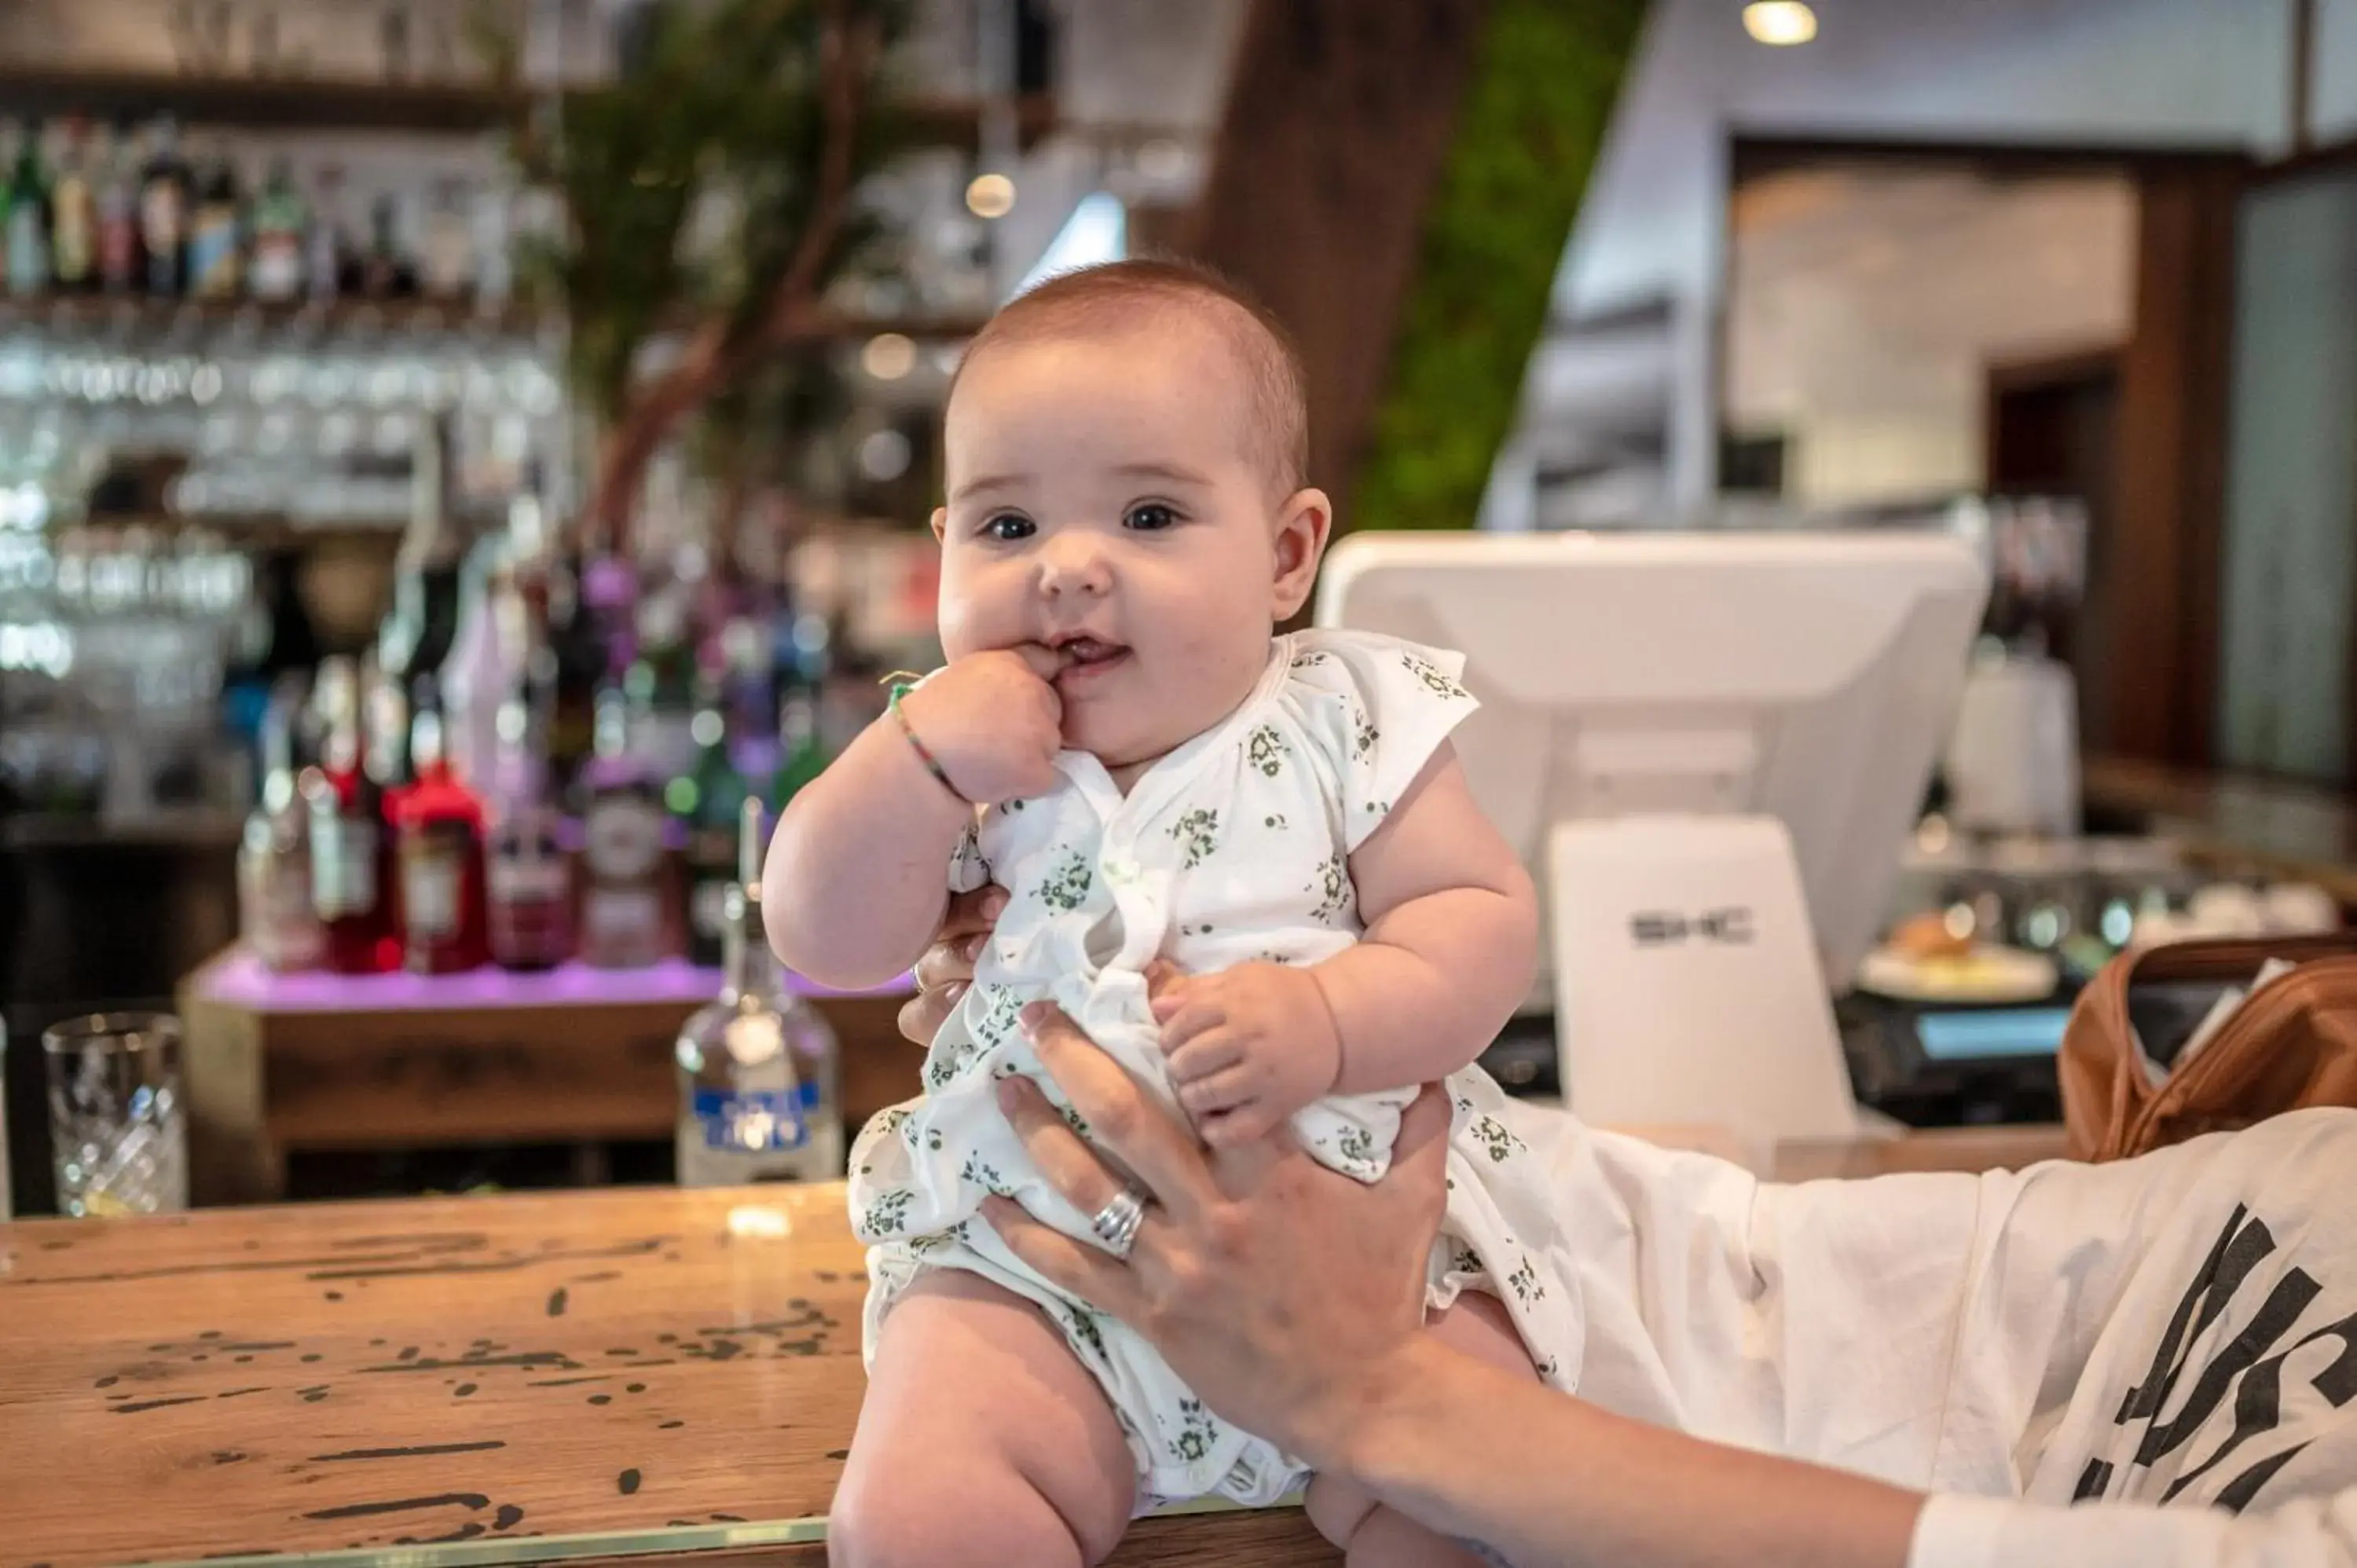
[1087, 658]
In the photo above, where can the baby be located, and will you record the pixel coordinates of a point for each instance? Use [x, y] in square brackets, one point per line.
[1119, 740]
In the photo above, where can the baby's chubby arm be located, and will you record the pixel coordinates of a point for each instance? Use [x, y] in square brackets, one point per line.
[856, 876]
[1451, 942]
[1451, 936]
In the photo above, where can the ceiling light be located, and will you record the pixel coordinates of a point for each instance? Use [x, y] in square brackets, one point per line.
[990, 195]
[888, 356]
[1780, 22]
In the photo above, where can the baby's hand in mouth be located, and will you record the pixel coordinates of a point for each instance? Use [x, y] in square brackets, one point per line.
[1085, 656]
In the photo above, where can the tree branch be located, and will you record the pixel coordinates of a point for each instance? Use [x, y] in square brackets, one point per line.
[718, 353]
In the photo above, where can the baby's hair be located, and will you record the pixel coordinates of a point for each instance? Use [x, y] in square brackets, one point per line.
[1089, 301]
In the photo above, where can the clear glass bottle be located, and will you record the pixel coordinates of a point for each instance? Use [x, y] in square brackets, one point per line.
[274, 866]
[531, 880]
[446, 269]
[758, 1066]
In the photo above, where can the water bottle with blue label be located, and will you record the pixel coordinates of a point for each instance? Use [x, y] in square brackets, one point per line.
[758, 1065]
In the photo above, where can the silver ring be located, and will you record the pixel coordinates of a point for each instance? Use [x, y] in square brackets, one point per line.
[1117, 1224]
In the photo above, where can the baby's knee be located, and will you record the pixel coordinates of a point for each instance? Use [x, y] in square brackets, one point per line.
[904, 1516]
[1337, 1508]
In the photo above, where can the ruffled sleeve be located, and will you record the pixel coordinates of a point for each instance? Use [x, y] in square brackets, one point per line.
[1377, 708]
[969, 868]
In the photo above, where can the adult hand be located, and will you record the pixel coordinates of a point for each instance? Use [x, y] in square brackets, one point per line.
[1277, 1289]
[947, 967]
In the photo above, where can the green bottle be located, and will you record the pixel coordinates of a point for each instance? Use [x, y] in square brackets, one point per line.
[28, 220]
[800, 757]
[708, 802]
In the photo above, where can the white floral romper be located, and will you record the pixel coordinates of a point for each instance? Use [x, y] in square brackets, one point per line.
[1235, 847]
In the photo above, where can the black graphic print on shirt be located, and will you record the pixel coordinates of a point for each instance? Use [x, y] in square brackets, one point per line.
[2270, 1409]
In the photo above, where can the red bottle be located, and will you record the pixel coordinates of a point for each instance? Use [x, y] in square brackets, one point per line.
[445, 922]
[348, 853]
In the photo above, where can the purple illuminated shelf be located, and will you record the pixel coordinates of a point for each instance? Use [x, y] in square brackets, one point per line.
[242, 981]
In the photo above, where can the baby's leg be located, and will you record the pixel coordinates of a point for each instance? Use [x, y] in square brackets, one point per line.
[1374, 1536]
[981, 1440]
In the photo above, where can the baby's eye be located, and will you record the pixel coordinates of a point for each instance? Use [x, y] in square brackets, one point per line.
[1008, 527]
[1150, 517]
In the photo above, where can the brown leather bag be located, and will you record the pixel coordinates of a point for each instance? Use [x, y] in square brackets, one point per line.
[2292, 1045]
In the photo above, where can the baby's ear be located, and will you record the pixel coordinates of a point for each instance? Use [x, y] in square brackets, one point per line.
[1302, 525]
[940, 523]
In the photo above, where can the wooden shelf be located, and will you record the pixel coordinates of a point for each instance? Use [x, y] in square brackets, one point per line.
[268, 102]
[143, 314]
[264, 102]
[140, 314]
[258, 530]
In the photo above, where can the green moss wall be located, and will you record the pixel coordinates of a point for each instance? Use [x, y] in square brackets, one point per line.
[1535, 115]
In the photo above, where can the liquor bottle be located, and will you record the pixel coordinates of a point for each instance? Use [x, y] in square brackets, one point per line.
[627, 915]
[660, 681]
[444, 917]
[27, 231]
[419, 629]
[583, 661]
[73, 211]
[350, 890]
[447, 266]
[281, 227]
[801, 754]
[758, 1066]
[485, 661]
[531, 883]
[383, 276]
[489, 218]
[214, 256]
[274, 867]
[708, 800]
[115, 164]
[164, 201]
[323, 245]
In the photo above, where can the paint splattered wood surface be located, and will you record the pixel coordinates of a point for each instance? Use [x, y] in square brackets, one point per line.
[367, 1376]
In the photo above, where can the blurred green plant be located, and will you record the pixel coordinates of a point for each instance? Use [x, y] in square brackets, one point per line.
[708, 191]
[1534, 113]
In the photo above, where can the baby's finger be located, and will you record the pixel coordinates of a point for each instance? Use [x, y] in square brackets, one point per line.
[1209, 1095]
[1244, 1123]
[1206, 1054]
[1041, 660]
[1190, 1019]
[1165, 998]
[1163, 979]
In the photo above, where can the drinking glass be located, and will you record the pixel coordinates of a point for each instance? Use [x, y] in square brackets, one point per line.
[117, 1123]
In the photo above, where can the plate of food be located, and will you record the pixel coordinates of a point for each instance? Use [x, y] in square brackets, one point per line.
[1924, 961]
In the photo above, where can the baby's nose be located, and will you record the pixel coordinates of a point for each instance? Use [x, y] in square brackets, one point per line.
[1074, 564]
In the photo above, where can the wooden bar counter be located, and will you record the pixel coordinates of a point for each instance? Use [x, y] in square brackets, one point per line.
[277, 1064]
[617, 1376]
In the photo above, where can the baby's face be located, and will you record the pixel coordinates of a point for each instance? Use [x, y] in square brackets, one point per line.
[1103, 499]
